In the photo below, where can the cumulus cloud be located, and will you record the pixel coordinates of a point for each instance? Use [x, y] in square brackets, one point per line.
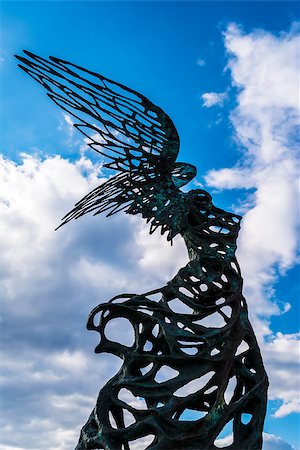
[282, 357]
[264, 69]
[270, 442]
[213, 99]
[49, 283]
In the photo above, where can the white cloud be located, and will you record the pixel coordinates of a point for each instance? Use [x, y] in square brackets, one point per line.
[265, 69]
[49, 283]
[45, 351]
[264, 124]
[201, 62]
[288, 408]
[272, 442]
[213, 99]
[282, 359]
[158, 258]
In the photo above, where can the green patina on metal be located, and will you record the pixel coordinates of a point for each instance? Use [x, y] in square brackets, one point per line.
[194, 330]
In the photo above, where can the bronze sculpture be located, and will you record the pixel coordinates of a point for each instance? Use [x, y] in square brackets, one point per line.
[195, 364]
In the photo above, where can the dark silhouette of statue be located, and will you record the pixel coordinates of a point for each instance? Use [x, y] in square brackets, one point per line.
[195, 365]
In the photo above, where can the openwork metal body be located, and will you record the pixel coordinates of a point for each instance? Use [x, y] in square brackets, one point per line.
[195, 365]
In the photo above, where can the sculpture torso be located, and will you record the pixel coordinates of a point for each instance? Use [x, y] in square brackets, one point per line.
[191, 335]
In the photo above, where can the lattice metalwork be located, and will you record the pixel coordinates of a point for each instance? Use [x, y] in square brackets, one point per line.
[194, 365]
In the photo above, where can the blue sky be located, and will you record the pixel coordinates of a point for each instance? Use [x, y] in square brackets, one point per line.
[225, 73]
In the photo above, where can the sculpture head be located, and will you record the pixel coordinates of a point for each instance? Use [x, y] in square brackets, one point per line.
[182, 173]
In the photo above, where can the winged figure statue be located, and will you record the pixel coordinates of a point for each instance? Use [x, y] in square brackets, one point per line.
[195, 365]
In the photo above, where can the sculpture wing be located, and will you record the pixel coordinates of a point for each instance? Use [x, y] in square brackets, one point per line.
[137, 137]
[121, 124]
[114, 195]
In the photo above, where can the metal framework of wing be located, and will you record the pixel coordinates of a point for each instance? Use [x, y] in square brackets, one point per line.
[137, 138]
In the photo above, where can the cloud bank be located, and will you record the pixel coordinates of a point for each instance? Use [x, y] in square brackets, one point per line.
[50, 282]
[270, 442]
